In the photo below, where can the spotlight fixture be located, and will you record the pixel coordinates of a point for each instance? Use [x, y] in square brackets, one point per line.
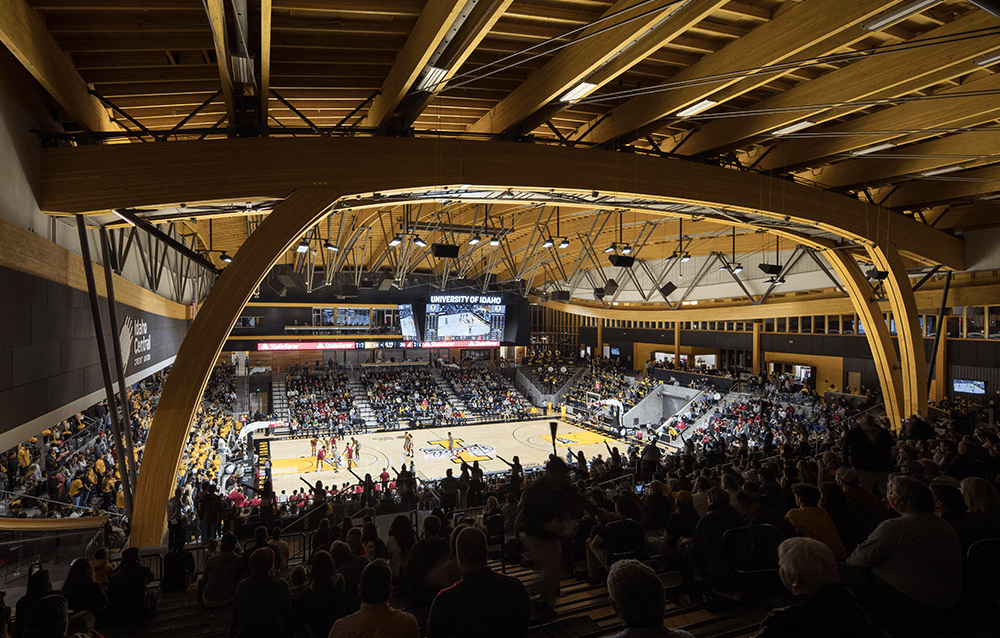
[685, 258]
[329, 246]
[737, 269]
[776, 281]
[397, 240]
[419, 242]
[475, 240]
[225, 257]
[494, 241]
[626, 250]
[302, 247]
[564, 243]
[876, 274]
[609, 249]
[548, 243]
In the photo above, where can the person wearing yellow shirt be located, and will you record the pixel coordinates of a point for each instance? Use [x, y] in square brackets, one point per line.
[23, 459]
[107, 491]
[46, 435]
[76, 489]
[100, 466]
[120, 500]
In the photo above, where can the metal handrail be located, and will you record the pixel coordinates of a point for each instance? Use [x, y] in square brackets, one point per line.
[60, 503]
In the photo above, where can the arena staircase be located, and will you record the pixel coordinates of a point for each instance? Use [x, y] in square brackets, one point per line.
[279, 398]
[242, 405]
[360, 395]
[448, 391]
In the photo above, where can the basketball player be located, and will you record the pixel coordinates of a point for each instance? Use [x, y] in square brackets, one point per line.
[319, 458]
[335, 454]
[451, 445]
[313, 443]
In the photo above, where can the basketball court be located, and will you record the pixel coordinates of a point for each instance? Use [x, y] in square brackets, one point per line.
[530, 441]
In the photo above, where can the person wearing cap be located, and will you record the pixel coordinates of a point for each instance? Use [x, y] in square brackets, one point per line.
[48, 618]
[870, 509]
[547, 515]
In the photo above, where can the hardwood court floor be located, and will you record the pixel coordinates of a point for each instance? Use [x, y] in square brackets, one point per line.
[530, 441]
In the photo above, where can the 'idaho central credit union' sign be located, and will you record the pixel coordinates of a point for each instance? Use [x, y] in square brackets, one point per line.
[135, 340]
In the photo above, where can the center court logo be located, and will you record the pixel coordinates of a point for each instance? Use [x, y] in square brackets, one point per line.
[460, 453]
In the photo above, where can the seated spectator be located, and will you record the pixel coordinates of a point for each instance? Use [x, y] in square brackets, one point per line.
[81, 591]
[656, 507]
[621, 535]
[179, 569]
[38, 587]
[48, 618]
[375, 617]
[705, 554]
[130, 602]
[262, 604]
[636, 595]
[351, 567]
[810, 520]
[323, 599]
[910, 566]
[423, 555]
[483, 603]
[949, 505]
[102, 568]
[822, 607]
[401, 540]
[983, 501]
[222, 574]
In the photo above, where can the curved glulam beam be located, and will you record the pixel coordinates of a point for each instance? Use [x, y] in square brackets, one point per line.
[197, 355]
[98, 178]
[904, 310]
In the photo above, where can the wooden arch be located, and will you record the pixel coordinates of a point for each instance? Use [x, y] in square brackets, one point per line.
[312, 174]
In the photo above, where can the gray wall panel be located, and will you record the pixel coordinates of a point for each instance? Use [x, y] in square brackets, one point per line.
[6, 368]
[16, 322]
[20, 403]
[65, 388]
[35, 361]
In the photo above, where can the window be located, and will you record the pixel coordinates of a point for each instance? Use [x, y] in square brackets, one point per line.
[975, 322]
[847, 324]
[781, 325]
[806, 325]
[833, 325]
[769, 325]
[819, 324]
[994, 322]
[249, 322]
[793, 324]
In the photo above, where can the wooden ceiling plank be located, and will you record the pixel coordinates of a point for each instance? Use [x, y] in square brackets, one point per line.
[868, 77]
[265, 60]
[217, 18]
[23, 32]
[432, 25]
[470, 35]
[574, 63]
[948, 151]
[976, 101]
[953, 186]
[783, 37]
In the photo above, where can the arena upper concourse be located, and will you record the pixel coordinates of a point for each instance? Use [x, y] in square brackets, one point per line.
[725, 188]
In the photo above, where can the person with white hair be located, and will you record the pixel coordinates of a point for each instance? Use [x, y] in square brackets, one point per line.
[822, 605]
[636, 594]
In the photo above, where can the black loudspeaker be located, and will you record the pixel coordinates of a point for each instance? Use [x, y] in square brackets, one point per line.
[611, 287]
[277, 287]
[349, 290]
[447, 251]
[560, 295]
[385, 285]
[598, 293]
[667, 289]
[624, 261]
[770, 269]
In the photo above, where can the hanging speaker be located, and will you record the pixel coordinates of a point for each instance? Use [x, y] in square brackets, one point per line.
[667, 289]
[560, 295]
[598, 293]
[611, 287]
[446, 251]
[624, 261]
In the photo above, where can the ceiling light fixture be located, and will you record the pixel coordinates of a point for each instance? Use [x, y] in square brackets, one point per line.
[626, 250]
[609, 249]
[798, 126]
[225, 257]
[564, 243]
[987, 61]
[475, 239]
[899, 14]
[578, 92]
[302, 247]
[874, 149]
[685, 258]
[942, 171]
[695, 109]
[737, 269]
[548, 243]
[432, 78]
[329, 246]
[397, 240]
[494, 240]
[419, 242]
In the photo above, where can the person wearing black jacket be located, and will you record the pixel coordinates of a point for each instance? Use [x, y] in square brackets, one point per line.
[868, 449]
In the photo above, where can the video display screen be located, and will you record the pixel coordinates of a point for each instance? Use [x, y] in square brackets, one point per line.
[465, 318]
[354, 317]
[407, 323]
[967, 386]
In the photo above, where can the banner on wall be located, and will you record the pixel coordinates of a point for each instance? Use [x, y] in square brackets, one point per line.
[289, 346]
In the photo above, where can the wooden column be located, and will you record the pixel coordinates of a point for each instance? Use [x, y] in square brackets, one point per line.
[197, 355]
[876, 331]
[677, 344]
[913, 364]
[756, 348]
[939, 386]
